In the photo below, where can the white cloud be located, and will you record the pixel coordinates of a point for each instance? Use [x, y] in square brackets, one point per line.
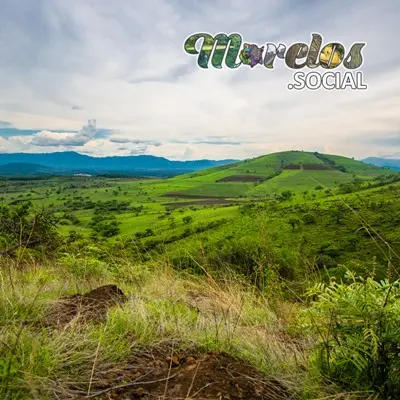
[49, 138]
[124, 63]
[124, 139]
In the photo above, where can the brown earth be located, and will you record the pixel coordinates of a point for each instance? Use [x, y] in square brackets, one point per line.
[190, 196]
[209, 202]
[92, 306]
[162, 374]
[242, 178]
[292, 166]
[309, 167]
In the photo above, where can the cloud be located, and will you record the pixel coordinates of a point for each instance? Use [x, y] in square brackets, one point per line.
[122, 139]
[106, 59]
[217, 140]
[393, 156]
[48, 138]
[119, 139]
[386, 141]
[220, 142]
[5, 125]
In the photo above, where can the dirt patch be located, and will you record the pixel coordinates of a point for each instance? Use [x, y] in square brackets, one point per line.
[242, 178]
[317, 167]
[208, 202]
[188, 374]
[308, 167]
[190, 196]
[292, 167]
[91, 306]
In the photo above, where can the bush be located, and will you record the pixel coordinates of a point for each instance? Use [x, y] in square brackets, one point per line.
[359, 328]
[187, 220]
[23, 227]
[286, 195]
[309, 219]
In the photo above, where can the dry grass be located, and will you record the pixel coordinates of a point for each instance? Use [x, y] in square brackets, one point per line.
[165, 306]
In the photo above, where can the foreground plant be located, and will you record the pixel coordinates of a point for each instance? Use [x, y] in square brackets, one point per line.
[358, 325]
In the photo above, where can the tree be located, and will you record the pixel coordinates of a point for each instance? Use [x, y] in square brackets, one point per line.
[286, 195]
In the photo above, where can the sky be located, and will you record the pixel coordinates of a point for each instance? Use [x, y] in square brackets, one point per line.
[122, 63]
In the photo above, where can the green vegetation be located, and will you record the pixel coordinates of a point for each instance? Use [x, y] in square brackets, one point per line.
[294, 270]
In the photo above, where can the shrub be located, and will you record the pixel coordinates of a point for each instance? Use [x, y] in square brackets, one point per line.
[309, 219]
[21, 226]
[187, 220]
[359, 328]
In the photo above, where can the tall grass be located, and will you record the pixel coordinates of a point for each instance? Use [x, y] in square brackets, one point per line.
[166, 306]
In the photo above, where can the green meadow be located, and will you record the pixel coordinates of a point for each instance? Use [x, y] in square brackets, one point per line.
[289, 263]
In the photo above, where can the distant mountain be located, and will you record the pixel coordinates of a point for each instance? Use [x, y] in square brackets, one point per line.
[383, 162]
[70, 162]
[24, 169]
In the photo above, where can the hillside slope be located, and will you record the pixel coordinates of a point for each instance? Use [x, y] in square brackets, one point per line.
[272, 173]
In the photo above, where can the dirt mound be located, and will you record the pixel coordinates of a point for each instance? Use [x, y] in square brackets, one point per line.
[242, 178]
[188, 375]
[91, 306]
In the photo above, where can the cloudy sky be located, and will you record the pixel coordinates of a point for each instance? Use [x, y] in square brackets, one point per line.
[122, 63]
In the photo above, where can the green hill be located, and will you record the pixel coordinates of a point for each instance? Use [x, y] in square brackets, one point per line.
[272, 173]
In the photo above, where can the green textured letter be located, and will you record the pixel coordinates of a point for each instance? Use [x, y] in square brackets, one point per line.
[221, 42]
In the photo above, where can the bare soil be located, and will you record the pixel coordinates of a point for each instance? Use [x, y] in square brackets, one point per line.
[162, 374]
[309, 167]
[208, 202]
[191, 196]
[242, 178]
[92, 306]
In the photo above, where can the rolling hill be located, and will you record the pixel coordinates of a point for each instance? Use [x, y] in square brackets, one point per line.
[272, 173]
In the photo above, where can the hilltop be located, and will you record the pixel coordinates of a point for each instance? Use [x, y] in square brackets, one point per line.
[272, 173]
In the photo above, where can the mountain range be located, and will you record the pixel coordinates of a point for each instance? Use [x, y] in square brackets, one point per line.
[68, 163]
[383, 162]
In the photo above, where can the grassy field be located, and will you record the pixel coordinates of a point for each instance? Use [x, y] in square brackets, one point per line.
[247, 273]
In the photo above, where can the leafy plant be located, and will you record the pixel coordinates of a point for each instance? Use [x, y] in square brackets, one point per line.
[359, 329]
